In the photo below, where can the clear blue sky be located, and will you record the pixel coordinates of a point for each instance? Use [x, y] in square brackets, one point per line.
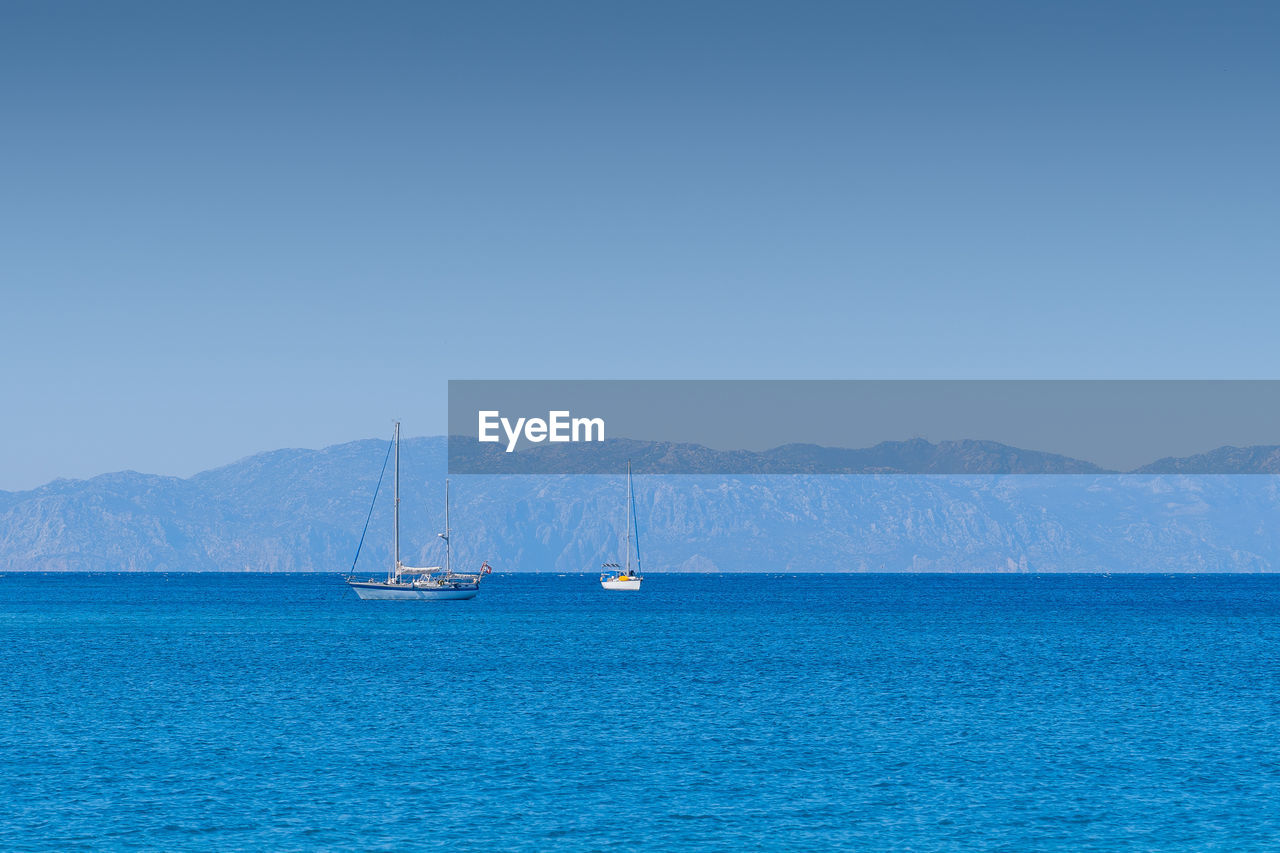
[232, 227]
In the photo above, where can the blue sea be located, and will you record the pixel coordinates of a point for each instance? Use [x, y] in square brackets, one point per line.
[707, 712]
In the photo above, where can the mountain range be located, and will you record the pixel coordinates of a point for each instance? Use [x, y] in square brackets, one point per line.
[303, 510]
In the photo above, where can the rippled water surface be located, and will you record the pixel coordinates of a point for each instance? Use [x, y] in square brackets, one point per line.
[708, 712]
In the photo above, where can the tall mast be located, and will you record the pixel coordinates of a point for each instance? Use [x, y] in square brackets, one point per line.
[395, 569]
[448, 549]
[628, 569]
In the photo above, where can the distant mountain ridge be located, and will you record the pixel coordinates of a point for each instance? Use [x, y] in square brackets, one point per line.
[914, 456]
[302, 510]
[1259, 459]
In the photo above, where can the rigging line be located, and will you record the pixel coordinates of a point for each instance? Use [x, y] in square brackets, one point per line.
[635, 519]
[376, 489]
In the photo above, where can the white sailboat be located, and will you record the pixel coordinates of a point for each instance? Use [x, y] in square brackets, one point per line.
[621, 577]
[406, 583]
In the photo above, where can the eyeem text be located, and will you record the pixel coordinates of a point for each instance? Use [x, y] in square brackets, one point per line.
[558, 426]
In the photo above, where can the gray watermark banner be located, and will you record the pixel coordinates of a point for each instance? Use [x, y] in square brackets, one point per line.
[864, 426]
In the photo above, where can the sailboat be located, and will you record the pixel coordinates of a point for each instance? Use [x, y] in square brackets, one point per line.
[406, 583]
[621, 577]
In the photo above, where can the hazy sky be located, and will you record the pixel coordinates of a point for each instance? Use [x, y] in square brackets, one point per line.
[232, 227]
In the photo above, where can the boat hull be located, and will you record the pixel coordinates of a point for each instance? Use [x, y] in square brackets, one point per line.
[632, 585]
[406, 592]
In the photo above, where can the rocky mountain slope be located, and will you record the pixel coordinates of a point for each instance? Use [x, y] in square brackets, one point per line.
[302, 510]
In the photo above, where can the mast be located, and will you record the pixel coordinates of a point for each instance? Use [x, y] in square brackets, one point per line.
[395, 569]
[628, 569]
[448, 549]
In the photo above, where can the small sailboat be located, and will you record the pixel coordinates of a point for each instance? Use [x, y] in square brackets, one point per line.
[615, 576]
[406, 583]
